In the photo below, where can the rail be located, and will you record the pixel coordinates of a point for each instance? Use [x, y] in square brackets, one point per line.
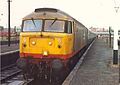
[9, 73]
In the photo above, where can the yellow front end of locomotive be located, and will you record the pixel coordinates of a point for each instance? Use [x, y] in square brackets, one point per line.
[46, 44]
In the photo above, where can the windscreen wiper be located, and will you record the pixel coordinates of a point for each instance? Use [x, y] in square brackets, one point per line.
[53, 22]
[33, 22]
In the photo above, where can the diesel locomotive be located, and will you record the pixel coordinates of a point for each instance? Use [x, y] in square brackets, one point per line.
[49, 40]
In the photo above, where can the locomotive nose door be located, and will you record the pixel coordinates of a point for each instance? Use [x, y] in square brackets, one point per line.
[41, 44]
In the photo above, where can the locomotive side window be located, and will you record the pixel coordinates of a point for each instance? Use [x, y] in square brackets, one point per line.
[68, 27]
[54, 25]
[32, 25]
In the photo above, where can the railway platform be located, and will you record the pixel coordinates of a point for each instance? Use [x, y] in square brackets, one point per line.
[96, 67]
[9, 55]
[6, 48]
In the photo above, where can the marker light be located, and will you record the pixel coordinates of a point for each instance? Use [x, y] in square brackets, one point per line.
[24, 40]
[59, 40]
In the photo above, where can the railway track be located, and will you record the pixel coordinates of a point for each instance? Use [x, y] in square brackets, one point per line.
[13, 76]
[18, 80]
[8, 73]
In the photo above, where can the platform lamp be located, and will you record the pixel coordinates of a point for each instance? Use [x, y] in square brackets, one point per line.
[115, 45]
[9, 22]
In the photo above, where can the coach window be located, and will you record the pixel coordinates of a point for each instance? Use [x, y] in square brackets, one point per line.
[68, 27]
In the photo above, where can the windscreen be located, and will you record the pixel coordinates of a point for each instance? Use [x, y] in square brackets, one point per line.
[32, 25]
[54, 25]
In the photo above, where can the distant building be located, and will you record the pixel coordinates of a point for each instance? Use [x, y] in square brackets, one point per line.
[4, 31]
[93, 29]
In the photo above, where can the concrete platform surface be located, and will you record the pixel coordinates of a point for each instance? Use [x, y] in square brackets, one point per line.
[97, 68]
[6, 48]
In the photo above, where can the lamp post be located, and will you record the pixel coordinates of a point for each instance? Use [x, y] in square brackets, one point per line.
[115, 45]
[9, 22]
[110, 36]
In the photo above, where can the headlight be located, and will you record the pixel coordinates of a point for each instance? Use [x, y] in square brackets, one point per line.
[33, 42]
[45, 53]
[50, 43]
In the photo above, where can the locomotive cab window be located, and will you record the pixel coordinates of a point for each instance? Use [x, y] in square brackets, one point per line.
[54, 25]
[32, 25]
[68, 27]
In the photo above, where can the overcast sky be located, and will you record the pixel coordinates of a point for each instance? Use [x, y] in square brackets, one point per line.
[96, 13]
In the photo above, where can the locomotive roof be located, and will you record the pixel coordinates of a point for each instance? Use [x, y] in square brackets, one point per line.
[50, 13]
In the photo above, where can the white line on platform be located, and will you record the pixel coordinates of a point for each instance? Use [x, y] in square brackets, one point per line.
[75, 69]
